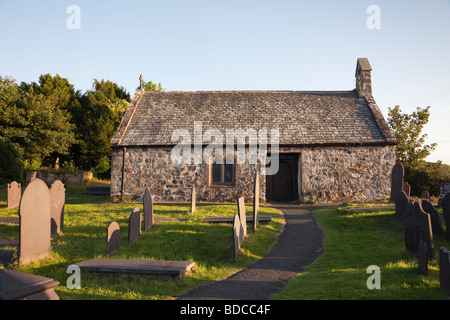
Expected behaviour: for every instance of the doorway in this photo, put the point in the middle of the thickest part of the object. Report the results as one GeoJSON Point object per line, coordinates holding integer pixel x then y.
{"type": "Point", "coordinates": [283, 186]}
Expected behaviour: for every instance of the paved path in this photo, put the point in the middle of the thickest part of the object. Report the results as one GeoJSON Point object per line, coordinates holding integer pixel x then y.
{"type": "Point", "coordinates": [298, 245]}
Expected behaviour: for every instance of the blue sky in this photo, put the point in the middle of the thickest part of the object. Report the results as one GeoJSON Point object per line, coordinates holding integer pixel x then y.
{"type": "Point", "coordinates": [241, 45]}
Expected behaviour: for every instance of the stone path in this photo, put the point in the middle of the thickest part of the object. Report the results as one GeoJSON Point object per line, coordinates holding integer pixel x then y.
{"type": "Point", "coordinates": [298, 245]}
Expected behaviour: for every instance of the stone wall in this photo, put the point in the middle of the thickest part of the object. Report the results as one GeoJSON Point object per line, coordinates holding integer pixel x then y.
{"type": "Point", "coordinates": [153, 168]}
{"type": "Point", "coordinates": [340, 174]}
{"type": "Point", "coordinates": [326, 174]}
{"type": "Point", "coordinates": [68, 178]}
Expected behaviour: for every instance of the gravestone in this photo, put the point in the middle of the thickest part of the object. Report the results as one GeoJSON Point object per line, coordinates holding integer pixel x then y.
{"type": "Point", "coordinates": [148, 210]}
{"type": "Point", "coordinates": [134, 225]}
{"type": "Point", "coordinates": [242, 216]}
{"type": "Point", "coordinates": [13, 195]}
{"type": "Point", "coordinates": [410, 228]}
{"type": "Point", "coordinates": [428, 207]}
{"type": "Point", "coordinates": [236, 235]}
{"type": "Point", "coordinates": [425, 195]}
{"type": "Point", "coordinates": [255, 200]}
{"type": "Point", "coordinates": [407, 188]}
{"type": "Point", "coordinates": [425, 229]}
{"type": "Point", "coordinates": [58, 196]}
{"type": "Point", "coordinates": [423, 258]}
{"type": "Point", "coordinates": [15, 285]}
{"type": "Point", "coordinates": [34, 213]}
{"type": "Point", "coordinates": [396, 180]}
{"type": "Point", "coordinates": [112, 238]}
{"type": "Point", "coordinates": [444, 270]}
{"type": "Point", "coordinates": [193, 198]}
{"type": "Point", "coordinates": [401, 205]}
{"type": "Point", "coordinates": [446, 213]}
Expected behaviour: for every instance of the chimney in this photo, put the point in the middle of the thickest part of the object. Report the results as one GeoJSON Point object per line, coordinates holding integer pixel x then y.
{"type": "Point", "coordinates": [363, 78]}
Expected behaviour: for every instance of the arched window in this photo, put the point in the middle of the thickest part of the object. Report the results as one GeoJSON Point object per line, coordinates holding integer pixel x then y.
{"type": "Point", "coordinates": [223, 174]}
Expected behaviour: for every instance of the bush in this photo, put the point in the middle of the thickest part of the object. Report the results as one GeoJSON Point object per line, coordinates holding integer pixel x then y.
{"type": "Point", "coordinates": [428, 176]}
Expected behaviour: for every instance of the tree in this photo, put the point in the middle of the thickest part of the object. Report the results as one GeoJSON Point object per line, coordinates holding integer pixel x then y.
{"type": "Point", "coordinates": [411, 148]}
{"type": "Point", "coordinates": [150, 86]}
{"type": "Point", "coordinates": [97, 118]}
{"type": "Point", "coordinates": [33, 123]}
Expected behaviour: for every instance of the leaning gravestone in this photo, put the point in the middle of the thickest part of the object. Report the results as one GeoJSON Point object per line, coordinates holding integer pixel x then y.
{"type": "Point", "coordinates": [112, 238]}
{"type": "Point", "coordinates": [446, 213]}
{"type": "Point", "coordinates": [407, 188]}
{"type": "Point", "coordinates": [148, 210]}
{"type": "Point", "coordinates": [401, 205]}
{"type": "Point", "coordinates": [13, 195]}
{"type": "Point", "coordinates": [34, 212]}
{"type": "Point", "coordinates": [134, 225]}
{"type": "Point", "coordinates": [397, 180]}
{"type": "Point", "coordinates": [236, 235]}
{"type": "Point", "coordinates": [256, 200]}
{"type": "Point", "coordinates": [425, 229]}
{"type": "Point", "coordinates": [423, 257]}
{"type": "Point", "coordinates": [193, 198]}
{"type": "Point", "coordinates": [428, 207]}
{"type": "Point", "coordinates": [242, 216]}
{"type": "Point", "coordinates": [58, 196]}
{"type": "Point", "coordinates": [444, 270]}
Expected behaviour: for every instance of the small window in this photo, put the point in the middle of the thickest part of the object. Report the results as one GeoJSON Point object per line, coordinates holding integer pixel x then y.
{"type": "Point", "coordinates": [223, 174]}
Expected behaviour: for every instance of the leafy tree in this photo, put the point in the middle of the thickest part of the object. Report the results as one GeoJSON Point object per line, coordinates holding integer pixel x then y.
{"type": "Point", "coordinates": [33, 123]}
{"type": "Point", "coordinates": [411, 147]}
{"type": "Point", "coordinates": [150, 86]}
{"type": "Point", "coordinates": [97, 118]}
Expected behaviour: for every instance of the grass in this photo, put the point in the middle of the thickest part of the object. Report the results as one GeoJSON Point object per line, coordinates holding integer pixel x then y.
{"type": "Point", "coordinates": [355, 240]}
{"type": "Point", "coordinates": [85, 221]}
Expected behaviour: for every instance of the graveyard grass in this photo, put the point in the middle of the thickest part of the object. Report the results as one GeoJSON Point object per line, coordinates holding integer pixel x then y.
{"type": "Point", "coordinates": [355, 240]}
{"type": "Point", "coordinates": [86, 217]}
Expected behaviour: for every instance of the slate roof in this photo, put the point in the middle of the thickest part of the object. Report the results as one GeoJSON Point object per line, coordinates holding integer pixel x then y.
{"type": "Point", "coordinates": [303, 118]}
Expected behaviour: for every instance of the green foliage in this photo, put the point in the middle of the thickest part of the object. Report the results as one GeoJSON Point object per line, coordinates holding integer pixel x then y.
{"type": "Point", "coordinates": [11, 168]}
{"type": "Point", "coordinates": [411, 147]}
{"type": "Point", "coordinates": [46, 122]}
{"type": "Point", "coordinates": [150, 86]}
{"type": "Point", "coordinates": [412, 151]}
{"type": "Point", "coordinates": [97, 117]}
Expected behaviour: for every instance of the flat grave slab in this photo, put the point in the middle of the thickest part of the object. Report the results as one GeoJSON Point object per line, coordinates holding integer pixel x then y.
{"type": "Point", "coordinates": [16, 285]}
{"type": "Point", "coordinates": [174, 269]}
{"type": "Point", "coordinates": [249, 219]}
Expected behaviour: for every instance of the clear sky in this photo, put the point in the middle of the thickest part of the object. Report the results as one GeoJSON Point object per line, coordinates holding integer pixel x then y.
{"type": "Point", "coordinates": [240, 45]}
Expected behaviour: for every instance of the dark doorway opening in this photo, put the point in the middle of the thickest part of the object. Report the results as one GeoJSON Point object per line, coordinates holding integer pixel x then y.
{"type": "Point", "coordinates": [283, 186]}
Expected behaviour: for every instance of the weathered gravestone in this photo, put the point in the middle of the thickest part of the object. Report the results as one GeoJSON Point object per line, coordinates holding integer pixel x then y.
{"type": "Point", "coordinates": [58, 196]}
{"type": "Point", "coordinates": [428, 207]}
{"type": "Point", "coordinates": [242, 216]}
{"type": "Point", "coordinates": [396, 180]}
{"type": "Point", "coordinates": [425, 195]}
{"type": "Point", "coordinates": [34, 212]}
{"type": "Point", "coordinates": [13, 195]}
{"type": "Point", "coordinates": [417, 226]}
{"type": "Point", "coordinates": [112, 238]}
{"type": "Point", "coordinates": [148, 210]}
{"type": "Point", "coordinates": [15, 285]}
{"type": "Point", "coordinates": [423, 258]}
{"type": "Point", "coordinates": [407, 188]}
{"type": "Point", "coordinates": [256, 200]}
{"type": "Point", "coordinates": [236, 235]}
{"type": "Point", "coordinates": [134, 225]}
{"type": "Point", "coordinates": [444, 270]}
{"type": "Point", "coordinates": [446, 213]}
{"type": "Point", "coordinates": [193, 199]}
{"type": "Point", "coordinates": [401, 205]}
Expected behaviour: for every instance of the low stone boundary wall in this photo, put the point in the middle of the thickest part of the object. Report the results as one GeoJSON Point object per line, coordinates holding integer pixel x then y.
{"type": "Point", "coordinates": [68, 178]}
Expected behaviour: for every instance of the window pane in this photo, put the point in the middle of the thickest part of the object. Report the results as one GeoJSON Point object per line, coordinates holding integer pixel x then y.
{"type": "Point", "coordinates": [228, 173]}
{"type": "Point", "coordinates": [215, 173]}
